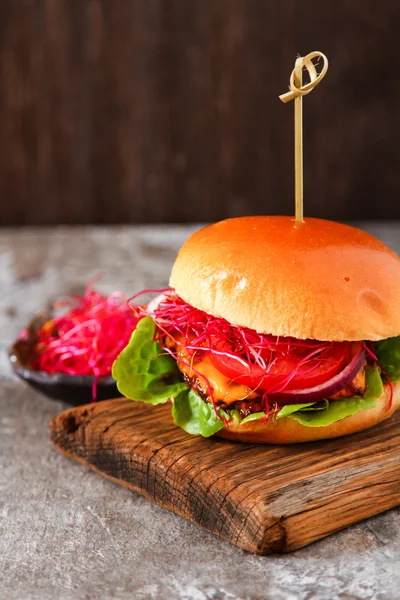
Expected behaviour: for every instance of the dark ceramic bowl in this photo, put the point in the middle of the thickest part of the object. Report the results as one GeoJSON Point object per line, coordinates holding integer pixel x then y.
{"type": "Point", "coordinates": [74, 389]}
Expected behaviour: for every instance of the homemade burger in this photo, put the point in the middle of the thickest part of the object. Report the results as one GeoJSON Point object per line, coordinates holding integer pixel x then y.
{"type": "Point", "coordinates": [273, 331]}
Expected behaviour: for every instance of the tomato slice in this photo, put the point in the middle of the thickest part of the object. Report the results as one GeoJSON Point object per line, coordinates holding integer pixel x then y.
{"type": "Point", "coordinates": [297, 367]}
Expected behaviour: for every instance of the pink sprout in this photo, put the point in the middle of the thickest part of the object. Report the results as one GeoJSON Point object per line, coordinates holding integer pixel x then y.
{"type": "Point", "coordinates": [87, 338]}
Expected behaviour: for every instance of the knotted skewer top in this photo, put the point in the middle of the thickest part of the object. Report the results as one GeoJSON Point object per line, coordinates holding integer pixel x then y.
{"type": "Point", "coordinates": [296, 76]}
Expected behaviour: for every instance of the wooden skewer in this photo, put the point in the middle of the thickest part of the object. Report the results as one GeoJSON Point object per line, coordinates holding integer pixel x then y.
{"type": "Point", "coordinates": [296, 93]}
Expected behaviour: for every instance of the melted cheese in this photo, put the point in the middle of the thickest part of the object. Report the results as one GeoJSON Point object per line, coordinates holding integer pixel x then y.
{"type": "Point", "coordinates": [223, 388]}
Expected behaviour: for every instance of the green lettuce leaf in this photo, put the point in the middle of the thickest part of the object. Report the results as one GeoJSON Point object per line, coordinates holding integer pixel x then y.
{"type": "Point", "coordinates": [143, 371]}
{"type": "Point", "coordinates": [253, 417]}
{"type": "Point", "coordinates": [388, 354]}
{"type": "Point", "coordinates": [195, 416]}
{"type": "Point", "coordinates": [289, 409]}
{"type": "Point", "coordinates": [325, 412]}
{"type": "Point", "coordinates": [233, 413]}
{"type": "Point", "coordinates": [340, 409]}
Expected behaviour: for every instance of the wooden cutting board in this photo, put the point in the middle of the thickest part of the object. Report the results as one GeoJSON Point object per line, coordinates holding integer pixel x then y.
{"type": "Point", "coordinates": [261, 498]}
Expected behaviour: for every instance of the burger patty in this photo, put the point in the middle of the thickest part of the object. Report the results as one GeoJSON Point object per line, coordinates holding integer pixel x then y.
{"type": "Point", "coordinates": [245, 407]}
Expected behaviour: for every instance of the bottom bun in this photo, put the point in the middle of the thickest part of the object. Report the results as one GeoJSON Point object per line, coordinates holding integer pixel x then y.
{"type": "Point", "coordinates": [289, 431]}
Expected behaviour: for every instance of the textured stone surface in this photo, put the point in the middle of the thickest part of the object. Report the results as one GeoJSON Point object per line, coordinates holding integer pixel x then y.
{"type": "Point", "coordinates": [66, 533]}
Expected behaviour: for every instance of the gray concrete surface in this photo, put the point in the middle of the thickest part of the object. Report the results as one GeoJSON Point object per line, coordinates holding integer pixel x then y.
{"type": "Point", "coordinates": [66, 533]}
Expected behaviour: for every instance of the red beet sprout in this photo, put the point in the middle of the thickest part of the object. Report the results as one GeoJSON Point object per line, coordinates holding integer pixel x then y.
{"type": "Point", "coordinates": [87, 338]}
{"type": "Point", "coordinates": [198, 332]}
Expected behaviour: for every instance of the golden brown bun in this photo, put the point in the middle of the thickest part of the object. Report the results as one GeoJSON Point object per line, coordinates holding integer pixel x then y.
{"type": "Point", "coordinates": [289, 431]}
{"type": "Point", "coordinates": [317, 279]}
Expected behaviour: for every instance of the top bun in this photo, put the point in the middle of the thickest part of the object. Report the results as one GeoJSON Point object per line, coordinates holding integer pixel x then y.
{"type": "Point", "coordinates": [316, 279]}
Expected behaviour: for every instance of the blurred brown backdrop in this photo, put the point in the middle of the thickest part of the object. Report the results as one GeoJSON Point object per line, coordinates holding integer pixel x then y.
{"type": "Point", "coordinates": [167, 110]}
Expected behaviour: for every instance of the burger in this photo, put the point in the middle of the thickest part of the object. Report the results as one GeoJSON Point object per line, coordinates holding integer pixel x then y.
{"type": "Point", "coordinates": [272, 331]}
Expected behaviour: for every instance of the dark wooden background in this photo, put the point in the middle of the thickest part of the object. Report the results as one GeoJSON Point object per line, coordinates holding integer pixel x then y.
{"type": "Point", "coordinates": [167, 110]}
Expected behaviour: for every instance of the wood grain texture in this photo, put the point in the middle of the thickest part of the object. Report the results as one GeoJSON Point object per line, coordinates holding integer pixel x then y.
{"type": "Point", "coordinates": [262, 498]}
{"type": "Point", "coordinates": [137, 111]}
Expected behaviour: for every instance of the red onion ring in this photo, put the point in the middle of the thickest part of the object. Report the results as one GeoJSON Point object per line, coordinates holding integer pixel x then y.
{"type": "Point", "coordinates": [328, 388]}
